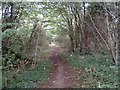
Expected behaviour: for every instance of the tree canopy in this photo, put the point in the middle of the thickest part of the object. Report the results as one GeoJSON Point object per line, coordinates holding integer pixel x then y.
{"type": "Point", "coordinates": [79, 28]}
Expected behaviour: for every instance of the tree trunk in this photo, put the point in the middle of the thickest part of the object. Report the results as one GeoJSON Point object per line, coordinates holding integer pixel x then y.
{"type": "Point", "coordinates": [118, 35]}
{"type": "Point", "coordinates": [71, 35]}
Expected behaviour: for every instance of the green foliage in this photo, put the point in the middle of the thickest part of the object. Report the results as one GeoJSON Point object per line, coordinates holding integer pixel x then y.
{"type": "Point", "coordinates": [96, 8]}
{"type": "Point", "coordinates": [8, 24]}
{"type": "Point", "coordinates": [105, 74]}
{"type": "Point", "coordinates": [9, 33]}
{"type": "Point", "coordinates": [28, 78]}
{"type": "Point", "coordinates": [55, 17]}
{"type": "Point", "coordinates": [11, 47]}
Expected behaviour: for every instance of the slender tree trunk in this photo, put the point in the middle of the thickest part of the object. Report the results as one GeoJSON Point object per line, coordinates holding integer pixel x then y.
{"type": "Point", "coordinates": [111, 42]}
{"type": "Point", "coordinates": [81, 31]}
{"type": "Point", "coordinates": [118, 46]}
{"type": "Point", "coordinates": [118, 34]}
{"type": "Point", "coordinates": [76, 33]}
{"type": "Point", "coordinates": [11, 15]}
{"type": "Point", "coordinates": [71, 35]}
{"type": "Point", "coordinates": [36, 49]}
{"type": "Point", "coordinates": [75, 13]}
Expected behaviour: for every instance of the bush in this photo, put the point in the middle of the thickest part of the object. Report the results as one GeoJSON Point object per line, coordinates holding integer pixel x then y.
{"type": "Point", "coordinates": [11, 48]}
{"type": "Point", "coordinates": [28, 78]}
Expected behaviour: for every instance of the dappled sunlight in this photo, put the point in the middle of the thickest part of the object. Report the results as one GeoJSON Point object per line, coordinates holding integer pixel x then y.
{"type": "Point", "coordinates": [53, 44]}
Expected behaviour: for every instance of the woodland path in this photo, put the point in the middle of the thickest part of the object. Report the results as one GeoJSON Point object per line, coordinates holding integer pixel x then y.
{"type": "Point", "coordinates": [61, 76]}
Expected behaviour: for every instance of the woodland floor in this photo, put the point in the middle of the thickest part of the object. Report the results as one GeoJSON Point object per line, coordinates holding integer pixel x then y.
{"type": "Point", "coordinates": [61, 76]}
{"type": "Point", "coordinates": [66, 71]}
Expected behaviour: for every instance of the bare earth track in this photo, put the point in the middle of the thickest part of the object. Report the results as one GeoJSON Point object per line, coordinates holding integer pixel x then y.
{"type": "Point", "coordinates": [61, 76]}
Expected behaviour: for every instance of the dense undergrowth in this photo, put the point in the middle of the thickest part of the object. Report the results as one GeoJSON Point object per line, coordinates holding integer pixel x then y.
{"type": "Point", "coordinates": [99, 72]}
{"type": "Point", "coordinates": [28, 78]}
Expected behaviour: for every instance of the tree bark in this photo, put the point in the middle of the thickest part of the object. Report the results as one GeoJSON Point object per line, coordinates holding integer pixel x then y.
{"type": "Point", "coordinates": [71, 35]}
{"type": "Point", "coordinates": [118, 34]}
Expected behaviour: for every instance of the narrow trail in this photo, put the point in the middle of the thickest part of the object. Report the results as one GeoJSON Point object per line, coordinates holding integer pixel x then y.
{"type": "Point", "coordinates": [61, 76]}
